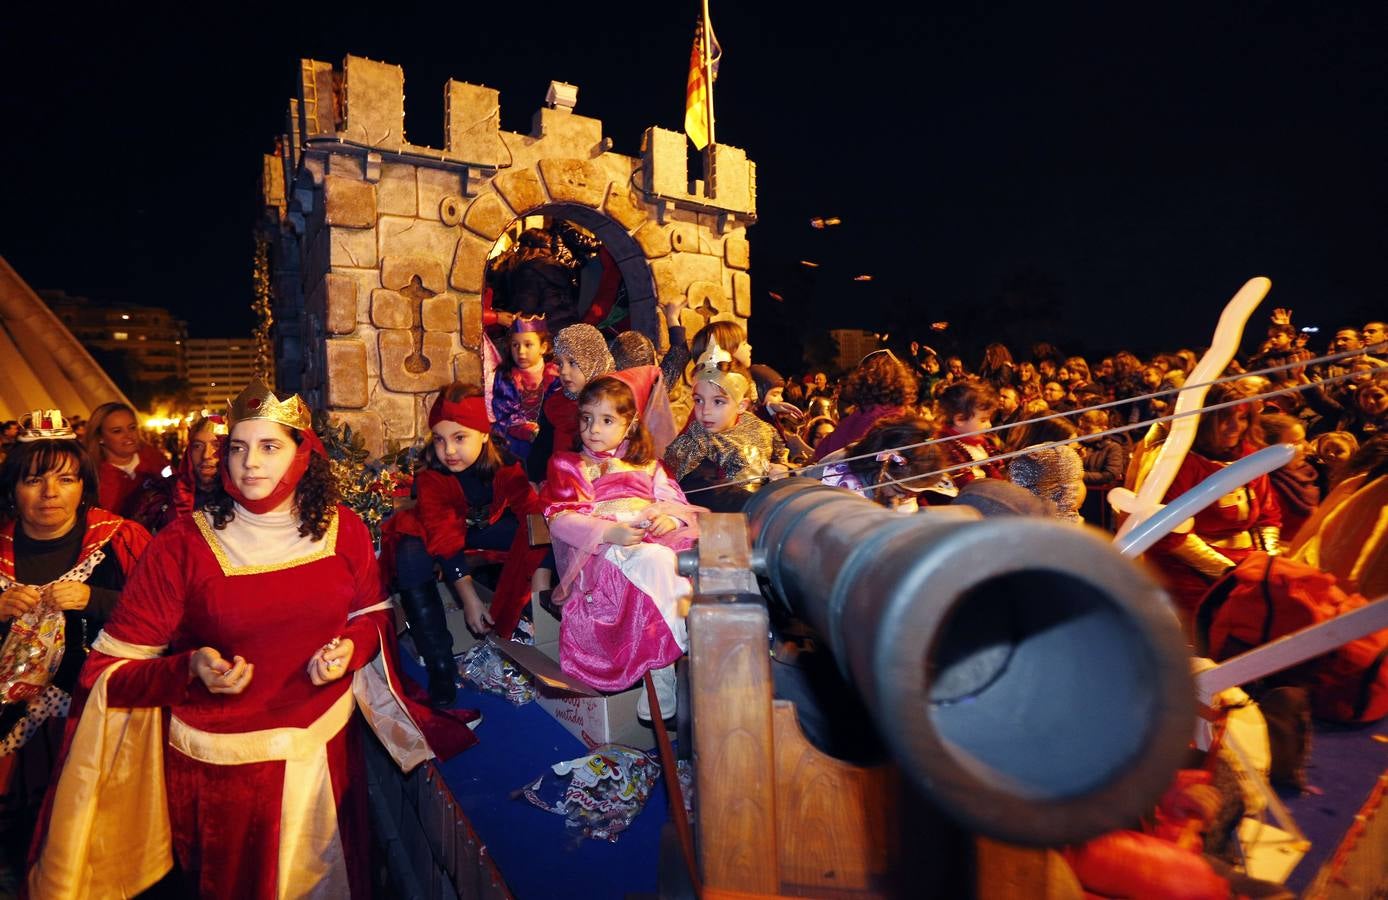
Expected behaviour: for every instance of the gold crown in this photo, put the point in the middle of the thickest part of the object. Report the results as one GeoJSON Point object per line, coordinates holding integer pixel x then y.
{"type": "Point", "coordinates": [708, 368]}
{"type": "Point", "coordinates": [257, 401]}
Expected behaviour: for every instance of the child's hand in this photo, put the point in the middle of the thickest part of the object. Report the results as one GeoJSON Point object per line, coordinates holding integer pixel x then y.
{"type": "Point", "coordinates": [622, 535]}
{"type": "Point", "coordinates": [777, 470]}
{"type": "Point", "coordinates": [479, 619]}
{"type": "Point", "coordinates": [662, 525]}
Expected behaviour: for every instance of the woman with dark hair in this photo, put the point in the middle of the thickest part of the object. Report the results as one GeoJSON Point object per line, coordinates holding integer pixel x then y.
{"type": "Point", "coordinates": [879, 387]}
{"type": "Point", "coordinates": [997, 368]}
{"type": "Point", "coordinates": [889, 466]}
{"type": "Point", "coordinates": [238, 629]}
{"type": "Point", "coordinates": [125, 464]}
{"type": "Point", "coordinates": [1228, 530]}
{"type": "Point", "coordinates": [58, 550]}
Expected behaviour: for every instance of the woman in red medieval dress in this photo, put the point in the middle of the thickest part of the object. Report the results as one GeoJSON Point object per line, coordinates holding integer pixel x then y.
{"type": "Point", "coordinates": [1235, 525]}
{"type": "Point", "coordinates": [241, 621]}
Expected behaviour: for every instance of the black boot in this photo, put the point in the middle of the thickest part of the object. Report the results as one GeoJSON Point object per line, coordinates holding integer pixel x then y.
{"type": "Point", "coordinates": [429, 627]}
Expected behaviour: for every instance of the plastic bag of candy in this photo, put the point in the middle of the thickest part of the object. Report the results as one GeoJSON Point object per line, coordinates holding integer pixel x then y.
{"type": "Point", "coordinates": [31, 653]}
{"type": "Point", "coordinates": [600, 794]}
{"type": "Point", "coordinates": [487, 668]}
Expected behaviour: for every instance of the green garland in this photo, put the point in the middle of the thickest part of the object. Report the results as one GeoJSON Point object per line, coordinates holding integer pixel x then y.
{"type": "Point", "coordinates": [264, 311]}
{"type": "Point", "coordinates": [370, 487]}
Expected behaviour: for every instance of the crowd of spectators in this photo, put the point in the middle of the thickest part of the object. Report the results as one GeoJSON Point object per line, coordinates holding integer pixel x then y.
{"type": "Point", "coordinates": [1327, 410]}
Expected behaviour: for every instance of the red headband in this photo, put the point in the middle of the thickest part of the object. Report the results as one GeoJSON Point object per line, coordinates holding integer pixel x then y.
{"type": "Point", "coordinates": [470, 412]}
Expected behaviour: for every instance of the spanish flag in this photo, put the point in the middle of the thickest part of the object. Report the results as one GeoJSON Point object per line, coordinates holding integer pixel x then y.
{"type": "Point", "coordinates": [698, 91]}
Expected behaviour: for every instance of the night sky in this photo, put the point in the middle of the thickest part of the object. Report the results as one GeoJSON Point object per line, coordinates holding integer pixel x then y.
{"type": "Point", "coordinates": [1100, 177]}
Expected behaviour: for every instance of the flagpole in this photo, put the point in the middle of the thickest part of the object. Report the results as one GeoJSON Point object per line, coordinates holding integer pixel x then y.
{"type": "Point", "coordinates": [706, 59]}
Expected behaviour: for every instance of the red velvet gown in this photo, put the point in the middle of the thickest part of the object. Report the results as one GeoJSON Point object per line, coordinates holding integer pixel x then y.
{"type": "Point", "coordinates": [116, 489]}
{"type": "Point", "coordinates": [1226, 525]}
{"type": "Point", "coordinates": [229, 824]}
{"type": "Point", "coordinates": [614, 631]}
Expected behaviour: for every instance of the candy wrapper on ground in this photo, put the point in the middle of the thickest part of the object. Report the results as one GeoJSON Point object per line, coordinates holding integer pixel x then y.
{"type": "Point", "coordinates": [599, 795]}
{"type": "Point", "coordinates": [31, 653]}
{"type": "Point", "coordinates": [484, 666]}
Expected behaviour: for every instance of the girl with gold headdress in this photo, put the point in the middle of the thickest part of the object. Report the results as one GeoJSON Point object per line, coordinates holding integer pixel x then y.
{"type": "Point", "coordinates": [723, 441]}
{"type": "Point", "coordinates": [240, 625]}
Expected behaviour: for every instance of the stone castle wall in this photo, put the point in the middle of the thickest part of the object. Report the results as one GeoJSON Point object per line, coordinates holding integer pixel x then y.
{"type": "Point", "coordinates": [382, 245]}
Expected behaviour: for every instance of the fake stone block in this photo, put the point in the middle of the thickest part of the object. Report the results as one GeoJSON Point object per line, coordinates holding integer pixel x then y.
{"type": "Point", "coordinates": [373, 103]}
{"type": "Point", "coordinates": [340, 304]}
{"type": "Point", "coordinates": [472, 122]}
{"type": "Point", "coordinates": [390, 309]}
{"type": "Point", "coordinates": [346, 371]}
{"type": "Point", "coordinates": [487, 216]}
{"type": "Point", "coordinates": [574, 181]}
{"type": "Point", "coordinates": [666, 162]}
{"type": "Point", "coordinates": [469, 264]}
{"type": "Point", "coordinates": [625, 207]}
{"type": "Point", "coordinates": [704, 294]}
{"type": "Point", "coordinates": [400, 236]}
{"type": "Point", "coordinates": [396, 412]}
{"type": "Point", "coordinates": [398, 271]}
{"type": "Point", "coordinates": [467, 367]}
{"type": "Point", "coordinates": [737, 253]}
{"type": "Point", "coordinates": [365, 423]}
{"type": "Point", "coordinates": [674, 273]}
{"type": "Point", "coordinates": [349, 203]}
{"type": "Point", "coordinates": [316, 98]}
{"type": "Point", "coordinates": [411, 371]}
{"type": "Point", "coordinates": [684, 237]}
{"type": "Point", "coordinates": [736, 179]}
{"type": "Point", "coordinates": [351, 247]}
{"type": "Point", "coordinates": [742, 294]}
{"type": "Point", "coordinates": [470, 314]}
{"type": "Point", "coordinates": [521, 189]}
{"type": "Point", "coordinates": [436, 184]}
{"type": "Point", "coordinates": [439, 313]}
{"type": "Point", "coordinates": [653, 239]}
{"type": "Point", "coordinates": [347, 165]}
{"type": "Point", "coordinates": [397, 192]}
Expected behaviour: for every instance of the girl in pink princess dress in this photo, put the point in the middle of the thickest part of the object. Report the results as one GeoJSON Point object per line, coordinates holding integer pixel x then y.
{"type": "Point", "coordinates": [617, 519]}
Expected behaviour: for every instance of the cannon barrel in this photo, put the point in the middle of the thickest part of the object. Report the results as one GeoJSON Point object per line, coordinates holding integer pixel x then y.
{"type": "Point", "coordinates": [1029, 679]}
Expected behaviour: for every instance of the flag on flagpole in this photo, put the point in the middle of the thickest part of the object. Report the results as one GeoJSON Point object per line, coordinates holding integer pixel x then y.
{"type": "Point", "coordinates": [703, 71]}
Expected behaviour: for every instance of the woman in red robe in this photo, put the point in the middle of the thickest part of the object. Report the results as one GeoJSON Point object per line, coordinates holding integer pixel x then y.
{"type": "Point", "coordinates": [1235, 525]}
{"type": "Point", "coordinates": [124, 463]}
{"type": "Point", "coordinates": [242, 622]}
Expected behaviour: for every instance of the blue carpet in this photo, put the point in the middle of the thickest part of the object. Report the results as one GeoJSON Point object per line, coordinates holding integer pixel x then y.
{"type": "Point", "coordinates": [536, 854]}
{"type": "Point", "coordinates": [1345, 763]}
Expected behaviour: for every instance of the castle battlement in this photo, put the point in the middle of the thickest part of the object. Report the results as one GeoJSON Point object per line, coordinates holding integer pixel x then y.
{"type": "Point", "coordinates": [381, 253]}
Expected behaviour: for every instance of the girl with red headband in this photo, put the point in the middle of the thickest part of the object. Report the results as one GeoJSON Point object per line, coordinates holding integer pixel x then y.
{"type": "Point", "coordinates": [472, 495]}
{"type": "Point", "coordinates": [617, 519]}
{"type": "Point", "coordinates": [236, 635]}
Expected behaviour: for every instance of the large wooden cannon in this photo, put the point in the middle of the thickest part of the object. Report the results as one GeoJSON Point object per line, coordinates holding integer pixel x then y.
{"type": "Point", "coordinates": [1029, 682]}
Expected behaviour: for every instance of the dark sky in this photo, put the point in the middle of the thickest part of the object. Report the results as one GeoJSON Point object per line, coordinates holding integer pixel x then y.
{"type": "Point", "coordinates": [1122, 170]}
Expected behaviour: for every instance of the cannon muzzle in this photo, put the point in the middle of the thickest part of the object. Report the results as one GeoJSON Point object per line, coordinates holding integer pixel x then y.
{"type": "Point", "coordinates": [1027, 677]}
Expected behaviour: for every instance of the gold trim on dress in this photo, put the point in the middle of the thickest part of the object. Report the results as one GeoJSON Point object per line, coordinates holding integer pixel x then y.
{"type": "Point", "coordinates": [265, 745]}
{"type": "Point", "coordinates": [593, 469]}
{"type": "Point", "coordinates": [329, 548]}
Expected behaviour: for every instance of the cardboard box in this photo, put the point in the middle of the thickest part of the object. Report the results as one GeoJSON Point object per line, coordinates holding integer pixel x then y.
{"type": "Point", "coordinates": [589, 716]}
{"type": "Point", "coordinates": [606, 719]}
{"type": "Point", "coordinates": [586, 713]}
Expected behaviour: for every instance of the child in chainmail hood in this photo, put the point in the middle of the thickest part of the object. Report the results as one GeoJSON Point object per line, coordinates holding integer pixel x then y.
{"type": "Point", "coordinates": [723, 441]}
{"type": "Point", "coordinates": [1055, 474]}
{"type": "Point", "coordinates": [581, 354]}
